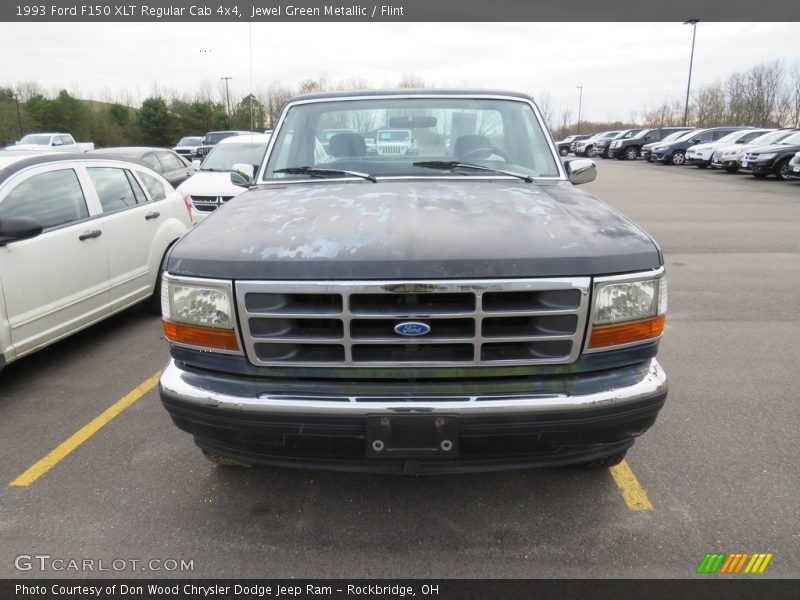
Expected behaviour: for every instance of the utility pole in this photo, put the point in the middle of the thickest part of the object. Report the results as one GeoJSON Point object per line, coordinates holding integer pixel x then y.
{"type": "Point", "coordinates": [580, 102]}
{"type": "Point", "coordinates": [227, 93]}
{"type": "Point", "coordinates": [693, 23]}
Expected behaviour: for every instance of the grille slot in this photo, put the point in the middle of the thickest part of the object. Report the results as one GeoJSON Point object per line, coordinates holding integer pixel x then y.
{"type": "Point", "coordinates": [411, 304]}
{"type": "Point", "coordinates": [299, 353]}
{"type": "Point", "coordinates": [471, 322]}
{"type": "Point", "coordinates": [531, 300]}
{"type": "Point", "coordinates": [526, 351]}
{"type": "Point", "coordinates": [544, 325]}
{"type": "Point", "coordinates": [413, 353]}
{"type": "Point", "coordinates": [296, 328]}
{"type": "Point", "coordinates": [284, 304]}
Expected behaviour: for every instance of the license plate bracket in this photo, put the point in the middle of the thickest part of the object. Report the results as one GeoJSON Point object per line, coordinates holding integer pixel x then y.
{"type": "Point", "coordinates": [411, 436]}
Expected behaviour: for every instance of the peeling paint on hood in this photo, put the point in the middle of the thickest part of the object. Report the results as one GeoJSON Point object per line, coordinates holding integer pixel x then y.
{"type": "Point", "coordinates": [413, 229]}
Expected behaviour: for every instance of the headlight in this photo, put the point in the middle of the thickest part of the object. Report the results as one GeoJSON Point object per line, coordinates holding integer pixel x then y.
{"type": "Point", "coordinates": [627, 311]}
{"type": "Point", "coordinates": [766, 156]}
{"type": "Point", "coordinates": [199, 313]}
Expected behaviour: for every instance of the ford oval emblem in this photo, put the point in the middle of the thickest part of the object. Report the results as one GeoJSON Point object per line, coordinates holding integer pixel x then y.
{"type": "Point", "coordinates": [412, 328]}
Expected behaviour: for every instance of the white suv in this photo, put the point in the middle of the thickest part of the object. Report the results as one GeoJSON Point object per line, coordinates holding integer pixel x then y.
{"type": "Point", "coordinates": [211, 186]}
{"type": "Point", "coordinates": [395, 142]}
{"type": "Point", "coordinates": [80, 239]}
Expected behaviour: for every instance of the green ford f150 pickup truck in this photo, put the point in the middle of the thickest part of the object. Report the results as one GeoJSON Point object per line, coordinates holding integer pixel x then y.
{"type": "Point", "coordinates": [462, 308]}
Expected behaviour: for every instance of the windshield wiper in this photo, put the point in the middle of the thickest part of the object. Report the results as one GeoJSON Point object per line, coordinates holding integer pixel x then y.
{"type": "Point", "coordinates": [319, 172]}
{"type": "Point", "coordinates": [453, 165]}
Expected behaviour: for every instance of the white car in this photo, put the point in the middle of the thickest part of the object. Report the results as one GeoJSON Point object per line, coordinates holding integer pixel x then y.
{"type": "Point", "coordinates": [80, 240]}
{"type": "Point", "coordinates": [53, 142]}
{"type": "Point", "coordinates": [395, 142]}
{"type": "Point", "coordinates": [211, 186]}
{"type": "Point", "coordinates": [187, 145]}
{"type": "Point", "coordinates": [702, 154]}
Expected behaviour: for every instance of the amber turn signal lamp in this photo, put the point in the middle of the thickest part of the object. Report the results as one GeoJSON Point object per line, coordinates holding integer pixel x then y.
{"type": "Point", "coordinates": [205, 337]}
{"type": "Point", "coordinates": [626, 333]}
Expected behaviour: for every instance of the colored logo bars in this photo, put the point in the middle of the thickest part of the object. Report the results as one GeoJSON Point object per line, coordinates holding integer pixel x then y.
{"type": "Point", "coordinates": [738, 562]}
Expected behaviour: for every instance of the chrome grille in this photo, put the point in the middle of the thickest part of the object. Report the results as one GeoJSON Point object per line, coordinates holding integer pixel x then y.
{"type": "Point", "coordinates": [751, 156]}
{"type": "Point", "coordinates": [208, 203]}
{"type": "Point", "coordinates": [472, 322]}
{"type": "Point", "coordinates": [392, 149]}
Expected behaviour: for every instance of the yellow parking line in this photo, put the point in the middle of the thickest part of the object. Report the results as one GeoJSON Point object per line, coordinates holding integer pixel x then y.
{"type": "Point", "coordinates": [49, 461]}
{"type": "Point", "coordinates": [632, 491]}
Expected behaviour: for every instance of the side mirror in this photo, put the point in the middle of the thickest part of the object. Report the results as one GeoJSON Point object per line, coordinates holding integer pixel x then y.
{"type": "Point", "coordinates": [242, 175]}
{"type": "Point", "coordinates": [14, 229]}
{"type": "Point", "coordinates": [581, 170]}
{"type": "Point", "coordinates": [196, 163]}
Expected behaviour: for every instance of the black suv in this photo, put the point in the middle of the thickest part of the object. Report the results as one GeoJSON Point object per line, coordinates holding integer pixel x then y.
{"type": "Point", "coordinates": [629, 148]}
{"type": "Point", "coordinates": [602, 146]}
{"type": "Point", "coordinates": [211, 139]}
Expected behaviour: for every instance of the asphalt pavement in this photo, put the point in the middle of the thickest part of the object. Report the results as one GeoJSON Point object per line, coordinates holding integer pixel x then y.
{"type": "Point", "coordinates": [719, 468]}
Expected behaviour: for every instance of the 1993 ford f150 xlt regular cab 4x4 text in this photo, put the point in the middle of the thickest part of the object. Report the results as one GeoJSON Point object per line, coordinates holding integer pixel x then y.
{"type": "Point", "coordinates": [463, 308]}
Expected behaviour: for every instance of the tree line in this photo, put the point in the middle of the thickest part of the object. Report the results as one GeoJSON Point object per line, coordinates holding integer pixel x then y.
{"type": "Point", "coordinates": [767, 94]}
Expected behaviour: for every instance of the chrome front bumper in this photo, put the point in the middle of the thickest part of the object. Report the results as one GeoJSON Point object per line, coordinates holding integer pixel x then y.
{"type": "Point", "coordinates": [231, 395]}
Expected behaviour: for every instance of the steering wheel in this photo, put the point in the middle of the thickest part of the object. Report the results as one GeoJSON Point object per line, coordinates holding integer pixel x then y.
{"type": "Point", "coordinates": [487, 151]}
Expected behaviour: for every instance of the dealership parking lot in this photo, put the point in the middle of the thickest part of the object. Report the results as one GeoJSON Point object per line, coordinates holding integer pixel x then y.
{"type": "Point", "coordinates": [719, 469]}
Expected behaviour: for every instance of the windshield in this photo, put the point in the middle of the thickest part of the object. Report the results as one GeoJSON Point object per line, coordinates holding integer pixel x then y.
{"type": "Point", "coordinates": [213, 138]}
{"type": "Point", "coordinates": [223, 157]}
{"type": "Point", "coordinates": [792, 140]}
{"type": "Point", "coordinates": [190, 141]}
{"type": "Point", "coordinates": [770, 138]}
{"type": "Point", "coordinates": [36, 139]}
{"type": "Point", "coordinates": [685, 135]}
{"type": "Point", "coordinates": [674, 136]}
{"type": "Point", "coordinates": [394, 136]}
{"type": "Point", "coordinates": [730, 138]}
{"type": "Point", "coordinates": [610, 135]}
{"type": "Point", "coordinates": [494, 133]}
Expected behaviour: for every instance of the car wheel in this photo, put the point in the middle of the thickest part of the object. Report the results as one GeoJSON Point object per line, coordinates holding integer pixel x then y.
{"type": "Point", "coordinates": [782, 170]}
{"type": "Point", "coordinates": [631, 153]}
{"type": "Point", "coordinates": [678, 157]}
{"type": "Point", "coordinates": [606, 461]}
{"type": "Point", "coordinates": [224, 461]}
{"type": "Point", "coordinates": [731, 169]}
{"type": "Point", "coordinates": [760, 175]}
{"type": "Point", "coordinates": [590, 152]}
{"type": "Point", "coordinates": [563, 151]}
{"type": "Point", "coordinates": [702, 165]}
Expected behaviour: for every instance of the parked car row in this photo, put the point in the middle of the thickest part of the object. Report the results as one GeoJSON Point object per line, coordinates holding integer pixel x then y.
{"type": "Point", "coordinates": [755, 150]}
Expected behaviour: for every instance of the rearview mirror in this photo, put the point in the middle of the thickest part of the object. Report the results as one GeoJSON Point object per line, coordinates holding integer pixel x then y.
{"type": "Point", "coordinates": [581, 170]}
{"type": "Point", "coordinates": [412, 122]}
{"type": "Point", "coordinates": [14, 229]}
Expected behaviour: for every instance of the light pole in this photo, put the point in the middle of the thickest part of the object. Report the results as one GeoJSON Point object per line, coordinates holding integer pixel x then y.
{"type": "Point", "coordinates": [227, 94]}
{"type": "Point", "coordinates": [693, 23]}
{"type": "Point", "coordinates": [580, 102]}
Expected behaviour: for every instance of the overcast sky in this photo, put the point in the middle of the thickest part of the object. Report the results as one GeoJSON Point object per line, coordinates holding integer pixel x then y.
{"type": "Point", "coordinates": [621, 66]}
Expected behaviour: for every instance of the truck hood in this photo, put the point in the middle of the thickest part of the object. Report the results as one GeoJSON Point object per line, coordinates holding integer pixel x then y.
{"type": "Point", "coordinates": [419, 229]}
